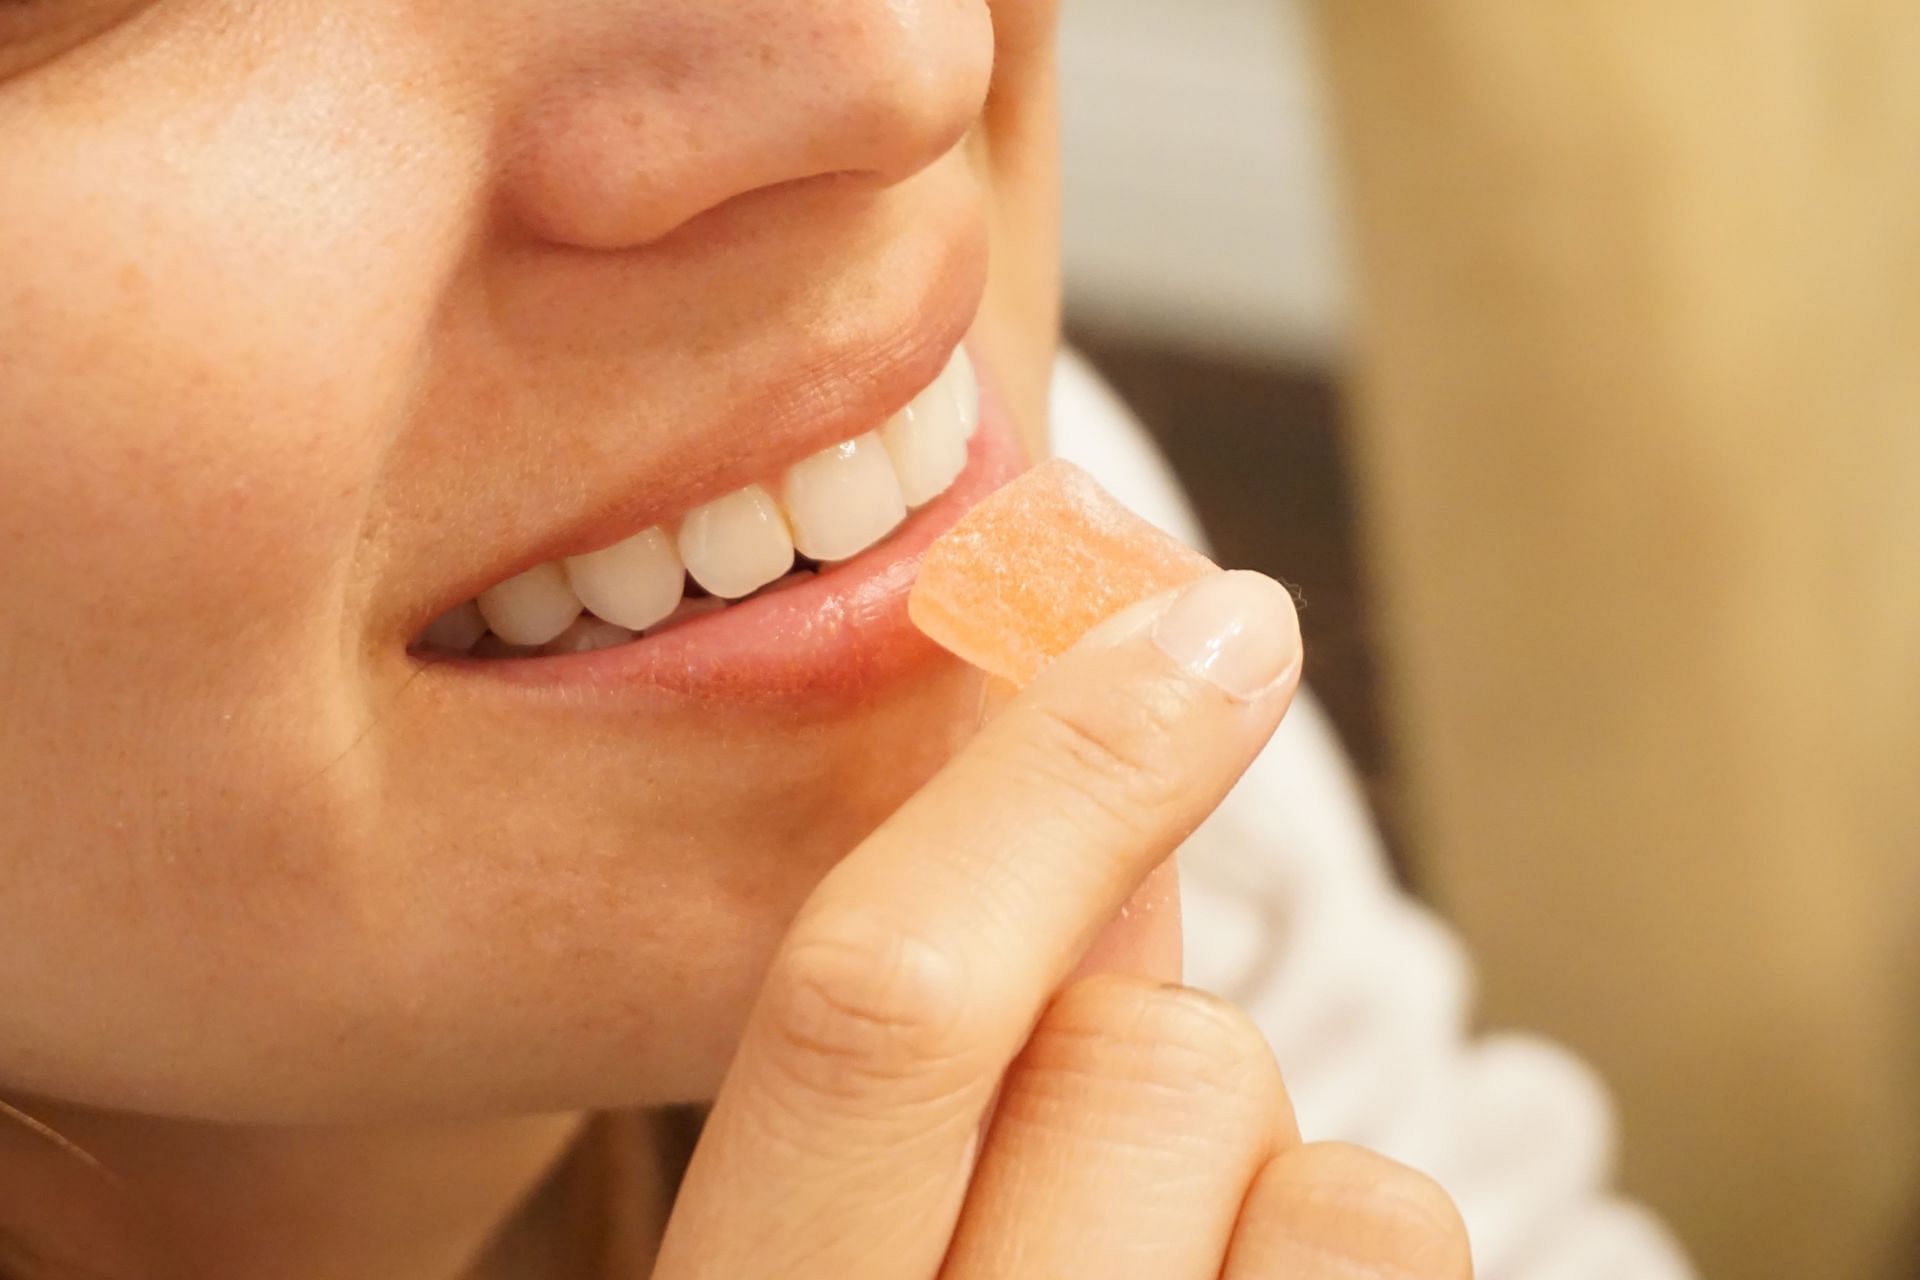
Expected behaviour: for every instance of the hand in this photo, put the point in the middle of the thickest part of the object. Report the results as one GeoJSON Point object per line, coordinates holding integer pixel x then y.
{"type": "Point", "coordinates": [1141, 1129]}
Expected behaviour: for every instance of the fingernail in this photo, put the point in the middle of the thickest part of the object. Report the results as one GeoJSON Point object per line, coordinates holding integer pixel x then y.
{"type": "Point", "coordinates": [1236, 630]}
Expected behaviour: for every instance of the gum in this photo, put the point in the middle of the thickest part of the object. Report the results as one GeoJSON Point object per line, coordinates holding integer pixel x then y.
{"type": "Point", "coordinates": [1037, 565]}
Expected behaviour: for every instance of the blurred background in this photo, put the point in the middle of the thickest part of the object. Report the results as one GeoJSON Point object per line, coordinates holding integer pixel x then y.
{"type": "Point", "coordinates": [1610, 352]}
{"type": "Point", "coordinates": [1205, 280]}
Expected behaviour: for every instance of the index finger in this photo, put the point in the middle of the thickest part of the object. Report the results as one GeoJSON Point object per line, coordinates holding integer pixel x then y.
{"type": "Point", "coordinates": [916, 970]}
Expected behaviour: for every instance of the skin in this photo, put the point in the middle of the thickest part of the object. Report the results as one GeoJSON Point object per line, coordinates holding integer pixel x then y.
{"type": "Point", "coordinates": [309, 310]}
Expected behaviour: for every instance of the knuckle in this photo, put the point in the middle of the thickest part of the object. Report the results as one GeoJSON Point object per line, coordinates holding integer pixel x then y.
{"type": "Point", "coordinates": [1425, 1218]}
{"type": "Point", "coordinates": [1127, 753]}
{"type": "Point", "coordinates": [1173, 1041]}
{"type": "Point", "coordinates": [859, 1005]}
{"type": "Point", "coordinates": [1386, 1219]}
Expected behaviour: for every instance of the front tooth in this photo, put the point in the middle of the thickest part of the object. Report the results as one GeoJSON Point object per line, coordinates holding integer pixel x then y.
{"type": "Point", "coordinates": [457, 629]}
{"type": "Point", "coordinates": [963, 384]}
{"type": "Point", "coordinates": [532, 607]}
{"type": "Point", "coordinates": [844, 499]}
{"type": "Point", "coordinates": [737, 544]}
{"type": "Point", "coordinates": [927, 440]}
{"type": "Point", "coordinates": [634, 583]}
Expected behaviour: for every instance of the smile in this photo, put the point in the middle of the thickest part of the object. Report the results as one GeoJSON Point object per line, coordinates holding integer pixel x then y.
{"type": "Point", "coordinates": [793, 582]}
{"type": "Point", "coordinates": [760, 538]}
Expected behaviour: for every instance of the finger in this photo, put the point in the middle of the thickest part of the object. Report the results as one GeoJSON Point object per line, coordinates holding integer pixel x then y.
{"type": "Point", "coordinates": [916, 970]}
{"type": "Point", "coordinates": [1144, 938]}
{"type": "Point", "coordinates": [1142, 941]}
{"type": "Point", "coordinates": [1127, 1133]}
{"type": "Point", "coordinates": [1327, 1211]}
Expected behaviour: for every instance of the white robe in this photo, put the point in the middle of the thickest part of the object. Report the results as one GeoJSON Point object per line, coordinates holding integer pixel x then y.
{"type": "Point", "coordinates": [1292, 913]}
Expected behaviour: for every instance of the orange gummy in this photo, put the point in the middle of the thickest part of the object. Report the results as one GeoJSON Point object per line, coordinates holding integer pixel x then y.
{"type": "Point", "coordinates": [1036, 566]}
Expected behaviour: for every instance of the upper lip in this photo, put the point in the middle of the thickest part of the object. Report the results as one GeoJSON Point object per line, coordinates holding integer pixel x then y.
{"type": "Point", "coordinates": [845, 390]}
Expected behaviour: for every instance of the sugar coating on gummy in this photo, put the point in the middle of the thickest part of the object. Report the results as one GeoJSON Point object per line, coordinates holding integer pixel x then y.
{"type": "Point", "coordinates": [1036, 566]}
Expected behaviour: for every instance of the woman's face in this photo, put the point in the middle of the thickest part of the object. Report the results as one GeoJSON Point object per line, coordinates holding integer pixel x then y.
{"type": "Point", "coordinates": [319, 317]}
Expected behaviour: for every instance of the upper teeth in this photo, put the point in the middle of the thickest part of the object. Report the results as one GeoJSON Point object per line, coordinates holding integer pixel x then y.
{"type": "Point", "coordinates": [830, 506]}
{"type": "Point", "coordinates": [841, 501]}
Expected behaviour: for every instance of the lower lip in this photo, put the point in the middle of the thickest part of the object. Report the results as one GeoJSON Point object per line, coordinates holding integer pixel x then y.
{"type": "Point", "coordinates": [844, 634]}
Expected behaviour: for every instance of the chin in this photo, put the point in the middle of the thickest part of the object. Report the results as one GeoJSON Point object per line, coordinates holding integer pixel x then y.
{"type": "Point", "coordinates": [597, 928]}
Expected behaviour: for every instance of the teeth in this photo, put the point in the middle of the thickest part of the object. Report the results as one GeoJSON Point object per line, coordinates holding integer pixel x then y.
{"type": "Point", "coordinates": [587, 634]}
{"type": "Point", "coordinates": [735, 545]}
{"type": "Point", "coordinates": [964, 385]}
{"type": "Point", "coordinates": [927, 440]}
{"type": "Point", "coordinates": [457, 629]}
{"type": "Point", "coordinates": [634, 583]}
{"type": "Point", "coordinates": [844, 499]}
{"type": "Point", "coordinates": [532, 607]}
{"type": "Point", "coordinates": [832, 506]}
{"type": "Point", "coordinates": [690, 608]}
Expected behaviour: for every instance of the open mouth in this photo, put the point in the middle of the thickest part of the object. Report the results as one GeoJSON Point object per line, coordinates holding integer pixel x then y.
{"type": "Point", "coordinates": [761, 539]}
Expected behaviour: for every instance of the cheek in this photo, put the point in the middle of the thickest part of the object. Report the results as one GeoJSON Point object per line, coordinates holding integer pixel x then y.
{"type": "Point", "coordinates": [209, 312]}
{"type": "Point", "coordinates": [210, 304]}
{"type": "Point", "coordinates": [197, 390]}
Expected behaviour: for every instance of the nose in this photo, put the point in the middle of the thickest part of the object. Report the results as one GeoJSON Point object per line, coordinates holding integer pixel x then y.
{"type": "Point", "coordinates": [639, 115]}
